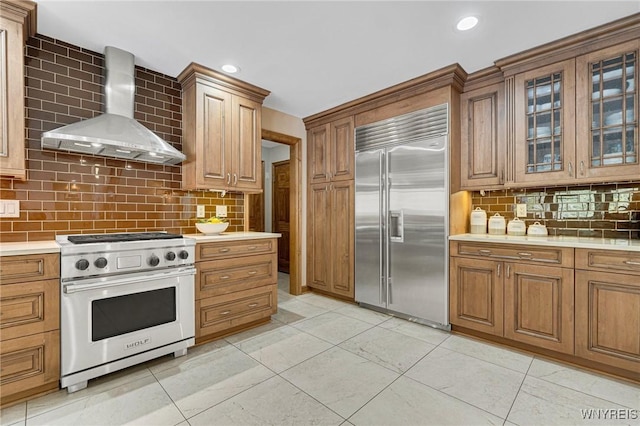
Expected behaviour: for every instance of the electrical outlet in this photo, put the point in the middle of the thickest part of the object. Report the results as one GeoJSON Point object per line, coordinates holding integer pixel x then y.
{"type": "Point", "coordinates": [221, 211]}
{"type": "Point", "coordinates": [9, 208]}
{"type": "Point", "coordinates": [200, 211]}
{"type": "Point", "coordinates": [521, 210]}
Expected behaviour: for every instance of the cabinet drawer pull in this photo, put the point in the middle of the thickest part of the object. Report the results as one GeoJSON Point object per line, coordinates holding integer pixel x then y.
{"type": "Point", "coordinates": [499, 268]}
{"type": "Point", "coordinates": [508, 271]}
{"type": "Point", "coordinates": [524, 253]}
{"type": "Point", "coordinates": [570, 169]}
{"type": "Point", "coordinates": [631, 262]}
{"type": "Point", "coordinates": [252, 248]}
{"type": "Point", "coordinates": [235, 179]}
{"type": "Point", "coordinates": [252, 272]}
{"type": "Point", "coordinates": [228, 178]}
{"type": "Point", "coordinates": [224, 250]}
{"type": "Point", "coordinates": [484, 252]}
{"type": "Point", "coordinates": [224, 277]}
{"type": "Point", "coordinates": [225, 312]}
{"type": "Point", "coordinates": [253, 305]}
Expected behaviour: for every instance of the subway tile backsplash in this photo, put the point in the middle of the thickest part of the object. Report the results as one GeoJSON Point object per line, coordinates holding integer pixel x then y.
{"type": "Point", "coordinates": [71, 193]}
{"type": "Point", "coordinates": [609, 210]}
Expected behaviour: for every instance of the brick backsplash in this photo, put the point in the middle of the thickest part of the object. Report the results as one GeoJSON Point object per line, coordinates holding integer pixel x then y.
{"type": "Point", "coordinates": [607, 210]}
{"type": "Point", "coordinates": [73, 193]}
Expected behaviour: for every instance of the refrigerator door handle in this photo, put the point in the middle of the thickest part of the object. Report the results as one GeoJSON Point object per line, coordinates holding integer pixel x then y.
{"type": "Point", "coordinates": [396, 225]}
{"type": "Point", "coordinates": [381, 226]}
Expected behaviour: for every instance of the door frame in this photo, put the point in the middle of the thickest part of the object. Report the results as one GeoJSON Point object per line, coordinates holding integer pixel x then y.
{"type": "Point", "coordinates": [295, 206]}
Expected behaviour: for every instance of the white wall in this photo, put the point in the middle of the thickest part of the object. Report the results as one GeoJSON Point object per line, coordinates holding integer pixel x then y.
{"type": "Point", "coordinates": [270, 156]}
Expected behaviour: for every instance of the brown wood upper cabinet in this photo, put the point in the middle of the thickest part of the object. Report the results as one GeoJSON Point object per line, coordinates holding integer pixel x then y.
{"type": "Point", "coordinates": [482, 139]}
{"type": "Point", "coordinates": [331, 151]}
{"type": "Point", "coordinates": [576, 121]}
{"type": "Point", "coordinates": [222, 131]}
{"type": "Point", "coordinates": [17, 23]}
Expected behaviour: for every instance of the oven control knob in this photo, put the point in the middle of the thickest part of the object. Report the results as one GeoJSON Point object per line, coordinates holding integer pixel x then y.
{"type": "Point", "coordinates": [153, 260]}
{"type": "Point", "coordinates": [82, 264]}
{"type": "Point", "coordinates": [100, 262]}
{"type": "Point", "coordinates": [170, 256]}
{"type": "Point", "coordinates": [183, 254]}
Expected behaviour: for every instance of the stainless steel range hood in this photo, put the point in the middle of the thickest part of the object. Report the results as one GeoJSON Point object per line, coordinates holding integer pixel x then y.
{"type": "Point", "coordinates": [115, 133]}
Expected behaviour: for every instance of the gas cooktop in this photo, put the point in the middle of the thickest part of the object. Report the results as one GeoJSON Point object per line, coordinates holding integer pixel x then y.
{"type": "Point", "coordinates": [116, 238]}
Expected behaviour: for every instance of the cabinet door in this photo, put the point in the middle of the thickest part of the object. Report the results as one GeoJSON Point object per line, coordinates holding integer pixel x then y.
{"type": "Point", "coordinates": [538, 306]}
{"type": "Point", "coordinates": [12, 136]}
{"type": "Point", "coordinates": [213, 138]}
{"type": "Point", "coordinates": [607, 112]}
{"type": "Point", "coordinates": [319, 227]}
{"type": "Point", "coordinates": [545, 125]}
{"type": "Point", "coordinates": [483, 153]}
{"type": "Point", "coordinates": [318, 154]}
{"type": "Point", "coordinates": [341, 227]}
{"type": "Point", "coordinates": [608, 318]}
{"type": "Point", "coordinates": [246, 145]}
{"type": "Point", "coordinates": [476, 299]}
{"type": "Point", "coordinates": [342, 151]}
{"type": "Point", "coordinates": [29, 362]}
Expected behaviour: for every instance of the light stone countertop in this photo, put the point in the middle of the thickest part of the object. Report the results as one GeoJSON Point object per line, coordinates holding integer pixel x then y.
{"type": "Point", "coordinates": [28, 247]}
{"type": "Point", "coordinates": [556, 241]}
{"type": "Point", "coordinates": [231, 236]}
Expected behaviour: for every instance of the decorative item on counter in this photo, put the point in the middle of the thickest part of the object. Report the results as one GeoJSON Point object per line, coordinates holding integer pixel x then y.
{"type": "Point", "coordinates": [516, 227]}
{"type": "Point", "coordinates": [537, 229]}
{"type": "Point", "coordinates": [212, 226]}
{"type": "Point", "coordinates": [478, 221]}
{"type": "Point", "coordinates": [497, 225]}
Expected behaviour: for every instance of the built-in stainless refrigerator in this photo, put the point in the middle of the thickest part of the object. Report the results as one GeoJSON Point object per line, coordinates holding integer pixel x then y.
{"type": "Point", "coordinates": [401, 216]}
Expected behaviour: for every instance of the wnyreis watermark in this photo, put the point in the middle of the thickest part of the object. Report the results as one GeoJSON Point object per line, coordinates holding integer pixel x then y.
{"type": "Point", "coordinates": [610, 414]}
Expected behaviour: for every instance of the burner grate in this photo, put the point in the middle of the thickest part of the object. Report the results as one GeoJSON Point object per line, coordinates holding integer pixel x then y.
{"type": "Point", "coordinates": [116, 238]}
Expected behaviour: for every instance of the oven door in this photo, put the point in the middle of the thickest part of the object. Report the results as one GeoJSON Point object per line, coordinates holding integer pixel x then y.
{"type": "Point", "coordinates": [109, 318]}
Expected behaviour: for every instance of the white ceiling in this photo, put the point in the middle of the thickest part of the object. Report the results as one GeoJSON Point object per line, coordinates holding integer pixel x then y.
{"type": "Point", "coordinates": [314, 55]}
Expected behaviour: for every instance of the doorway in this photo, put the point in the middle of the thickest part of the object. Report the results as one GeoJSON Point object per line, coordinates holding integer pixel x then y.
{"type": "Point", "coordinates": [295, 206]}
{"type": "Point", "coordinates": [280, 211]}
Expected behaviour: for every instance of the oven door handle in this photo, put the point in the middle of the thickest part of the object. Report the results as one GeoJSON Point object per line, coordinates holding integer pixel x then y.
{"type": "Point", "coordinates": [74, 288]}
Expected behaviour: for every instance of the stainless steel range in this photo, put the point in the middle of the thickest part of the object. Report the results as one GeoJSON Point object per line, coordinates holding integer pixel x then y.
{"type": "Point", "coordinates": [125, 299]}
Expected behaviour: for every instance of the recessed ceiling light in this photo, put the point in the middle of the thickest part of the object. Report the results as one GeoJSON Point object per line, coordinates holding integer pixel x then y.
{"type": "Point", "coordinates": [467, 23]}
{"type": "Point", "coordinates": [231, 69]}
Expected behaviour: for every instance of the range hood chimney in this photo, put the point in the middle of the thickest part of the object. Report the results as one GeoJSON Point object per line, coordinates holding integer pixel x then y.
{"type": "Point", "coordinates": [115, 133]}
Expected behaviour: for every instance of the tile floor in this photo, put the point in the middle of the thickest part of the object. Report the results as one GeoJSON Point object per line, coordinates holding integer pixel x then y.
{"type": "Point", "coordinates": [325, 362]}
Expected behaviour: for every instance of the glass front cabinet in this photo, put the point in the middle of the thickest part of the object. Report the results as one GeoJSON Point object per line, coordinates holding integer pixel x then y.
{"type": "Point", "coordinates": [607, 113]}
{"type": "Point", "coordinates": [577, 120]}
{"type": "Point", "coordinates": [544, 125]}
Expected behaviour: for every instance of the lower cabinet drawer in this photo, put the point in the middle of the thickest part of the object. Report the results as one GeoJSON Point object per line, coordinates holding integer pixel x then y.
{"type": "Point", "coordinates": [218, 277]}
{"type": "Point", "coordinates": [232, 249]}
{"type": "Point", "coordinates": [219, 313]}
{"type": "Point", "coordinates": [608, 260]}
{"type": "Point", "coordinates": [552, 256]}
{"type": "Point", "coordinates": [29, 308]}
{"type": "Point", "coordinates": [29, 362]}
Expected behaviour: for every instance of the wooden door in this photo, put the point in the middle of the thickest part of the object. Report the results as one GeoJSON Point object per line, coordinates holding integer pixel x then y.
{"type": "Point", "coordinates": [318, 154]}
{"type": "Point", "coordinates": [608, 318]}
{"type": "Point", "coordinates": [545, 124]}
{"type": "Point", "coordinates": [342, 232]}
{"type": "Point", "coordinates": [12, 136]}
{"type": "Point", "coordinates": [318, 232]}
{"type": "Point", "coordinates": [538, 306]}
{"type": "Point", "coordinates": [280, 211]}
{"type": "Point", "coordinates": [483, 137]}
{"type": "Point", "coordinates": [607, 112]}
{"type": "Point", "coordinates": [476, 294]}
{"type": "Point", "coordinates": [342, 152]}
{"type": "Point", "coordinates": [213, 141]}
{"type": "Point", "coordinates": [247, 148]}
{"type": "Point", "coordinates": [256, 208]}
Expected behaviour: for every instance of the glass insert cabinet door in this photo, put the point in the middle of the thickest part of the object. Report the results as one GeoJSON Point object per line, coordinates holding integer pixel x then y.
{"type": "Point", "coordinates": [608, 112]}
{"type": "Point", "coordinates": [545, 100]}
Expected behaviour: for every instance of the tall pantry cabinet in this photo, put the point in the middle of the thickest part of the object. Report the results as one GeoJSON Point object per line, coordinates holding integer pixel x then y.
{"type": "Point", "coordinates": [330, 207]}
